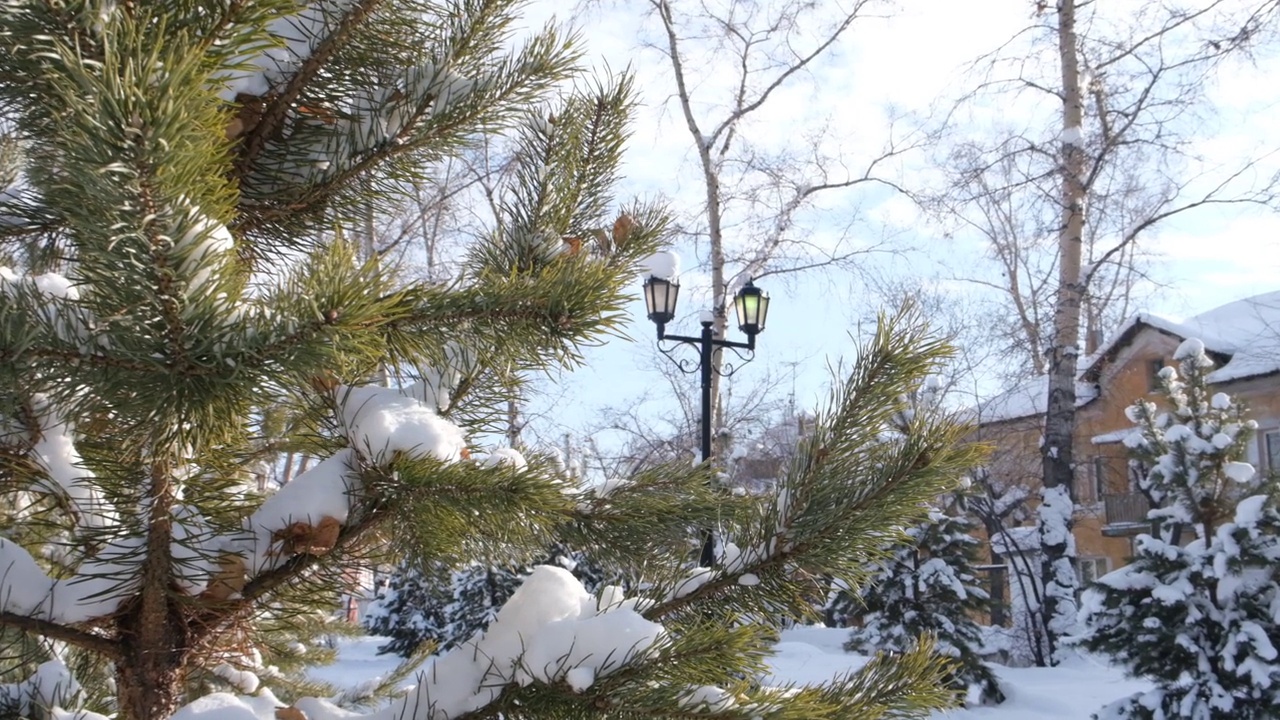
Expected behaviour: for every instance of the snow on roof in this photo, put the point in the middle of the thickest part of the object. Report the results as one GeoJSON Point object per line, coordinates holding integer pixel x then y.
{"type": "Point", "coordinates": [1248, 331]}
{"type": "Point", "coordinates": [1028, 398]}
{"type": "Point", "coordinates": [1115, 436]}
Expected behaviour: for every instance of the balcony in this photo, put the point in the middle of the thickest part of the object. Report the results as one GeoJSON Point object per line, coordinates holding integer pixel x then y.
{"type": "Point", "coordinates": [1126, 514]}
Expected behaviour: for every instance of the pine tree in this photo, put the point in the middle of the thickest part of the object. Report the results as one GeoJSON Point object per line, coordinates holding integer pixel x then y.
{"type": "Point", "coordinates": [408, 608]}
{"type": "Point", "coordinates": [190, 167]}
{"type": "Point", "coordinates": [927, 586]}
{"type": "Point", "coordinates": [1195, 610]}
{"type": "Point", "coordinates": [842, 607]}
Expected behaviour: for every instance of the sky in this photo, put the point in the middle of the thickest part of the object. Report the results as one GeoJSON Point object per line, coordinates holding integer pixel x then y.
{"type": "Point", "coordinates": [911, 59]}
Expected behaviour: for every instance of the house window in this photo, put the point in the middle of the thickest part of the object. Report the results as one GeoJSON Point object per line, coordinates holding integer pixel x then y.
{"type": "Point", "coordinates": [1088, 570]}
{"type": "Point", "coordinates": [995, 580]}
{"type": "Point", "coordinates": [1099, 477]}
{"type": "Point", "coordinates": [1154, 367]}
{"type": "Point", "coordinates": [1269, 445]}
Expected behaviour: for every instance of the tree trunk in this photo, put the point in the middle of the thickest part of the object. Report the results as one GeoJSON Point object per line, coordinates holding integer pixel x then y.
{"type": "Point", "coordinates": [150, 672]}
{"type": "Point", "coordinates": [714, 212]}
{"type": "Point", "coordinates": [148, 686]}
{"type": "Point", "coordinates": [1057, 571]}
{"type": "Point", "coordinates": [153, 632]}
{"type": "Point", "coordinates": [719, 292]}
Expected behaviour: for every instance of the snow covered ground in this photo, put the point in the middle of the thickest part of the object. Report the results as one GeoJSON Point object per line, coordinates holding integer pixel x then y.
{"type": "Point", "coordinates": [813, 655]}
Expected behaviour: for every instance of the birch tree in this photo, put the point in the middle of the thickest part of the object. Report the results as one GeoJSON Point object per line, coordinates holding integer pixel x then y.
{"type": "Point", "coordinates": [731, 63]}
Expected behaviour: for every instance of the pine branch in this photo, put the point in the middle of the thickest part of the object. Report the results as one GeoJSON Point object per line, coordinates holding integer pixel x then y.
{"type": "Point", "coordinates": [73, 636]}
{"type": "Point", "coordinates": [272, 121]}
{"type": "Point", "coordinates": [223, 613]}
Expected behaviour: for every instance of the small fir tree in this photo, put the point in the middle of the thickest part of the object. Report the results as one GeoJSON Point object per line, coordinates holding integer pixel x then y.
{"type": "Point", "coordinates": [446, 607]}
{"type": "Point", "coordinates": [842, 608]}
{"type": "Point", "coordinates": [927, 586]}
{"type": "Point", "coordinates": [1195, 611]}
{"type": "Point", "coordinates": [408, 608]}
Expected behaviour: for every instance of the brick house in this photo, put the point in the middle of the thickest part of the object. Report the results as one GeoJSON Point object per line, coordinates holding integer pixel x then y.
{"type": "Point", "coordinates": [1242, 337]}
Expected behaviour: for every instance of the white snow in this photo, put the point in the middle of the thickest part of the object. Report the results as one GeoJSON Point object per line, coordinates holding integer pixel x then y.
{"type": "Point", "coordinates": [1073, 136]}
{"type": "Point", "coordinates": [551, 630]}
{"type": "Point", "coordinates": [57, 454]}
{"type": "Point", "coordinates": [1249, 510]}
{"type": "Point", "coordinates": [550, 626]}
{"type": "Point", "coordinates": [504, 456]}
{"type": "Point", "coordinates": [1189, 348]}
{"type": "Point", "coordinates": [1071, 691]}
{"type": "Point", "coordinates": [218, 706]}
{"type": "Point", "coordinates": [194, 550]}
{"type": "Point", "coordinates": [1016, 541]}
{"type": "Point", "coordinates": [435, 385]}
{"type": "Point", "coordinates": [580, 678]}
{"type": "Point", "coordinates": [101, 582]}
{"type": "Point", "coordinates": [383, 421]}
{"type": "Point", "coordinates": [60, 714]}
{"type": "Point", "coordinates": [324, 490]}
{"type": "Point", "coordinates": [604, 488]}
{"type": "Point", "coordinates": [380, 423]}
{"type": "Point", "coordinates": [1115, 436]}
{"type": "Point", "coordinates": [664, 265]}
{"type": "Point", "coordinates": [201, 249]}
{"type": "Point", "coordinates": [297, 35]}
{"type": "Point", "coordinates": [803, 656]}
{"type": "Point", "coordinates": [707, 698]}
{"type": "Point", "coordinates": [1240, 472]}
{"type": "Point", "coordinates": [245, 681]}
{"type": "Point", "coordinates": [51, 685]}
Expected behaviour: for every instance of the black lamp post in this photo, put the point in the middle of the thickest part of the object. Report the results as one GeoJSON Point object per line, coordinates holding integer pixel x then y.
{"type": "Point", "coordinates": [752, 308]}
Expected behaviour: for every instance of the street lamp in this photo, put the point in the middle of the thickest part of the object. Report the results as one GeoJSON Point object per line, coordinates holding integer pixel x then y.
{"type": "Point", "coordinates": [752, 308]}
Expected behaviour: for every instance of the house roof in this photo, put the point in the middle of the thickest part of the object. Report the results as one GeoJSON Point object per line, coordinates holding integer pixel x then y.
{"type": "Point", "coordinates": [1244, 335]}
{"type": "Point", "coordinates": [1027, 398]}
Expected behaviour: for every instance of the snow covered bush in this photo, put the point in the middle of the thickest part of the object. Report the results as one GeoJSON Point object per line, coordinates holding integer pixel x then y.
{"type": "Point", "coordinates": [926, 586]}
{"type": "Point", "coordinates": [447, 606]}
{"type": "Point", "coordinates": [1198, 609]}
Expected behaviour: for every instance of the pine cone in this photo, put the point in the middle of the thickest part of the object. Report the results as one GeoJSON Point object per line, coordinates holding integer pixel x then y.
{"type": "Point", "coordinates": [622, 228]}
{"type": "Point", "coordinates": [304, 538]}
{"type": "Point", "coordinates": [229, 580]}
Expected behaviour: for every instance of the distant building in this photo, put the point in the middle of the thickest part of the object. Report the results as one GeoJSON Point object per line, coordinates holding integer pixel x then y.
{"type": "Point", "coordinates": [1242, 337]}
{"type": "Point", "coordinates": [759, 464]}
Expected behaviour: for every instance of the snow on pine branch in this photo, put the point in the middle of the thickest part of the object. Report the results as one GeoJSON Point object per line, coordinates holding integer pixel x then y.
{"type": "Point", "coordinates": [99, 586]}
{"type": "Point", "coordinates": [298, 35]}
{"type": "Point", "coordinates": [53, 297]}
{"type": "Point", "coordinates": [380, 423]}
{"type": "Point", "coordinates": [383, 421]}
{"type": "Point", "coordinates": [51, 685]}
{"type": "Point", "coordinates": [55, 452]}
{"type": "Point", "coordinates": [53, 448]}
{"type": "Point", "coordinates": [551, 631]}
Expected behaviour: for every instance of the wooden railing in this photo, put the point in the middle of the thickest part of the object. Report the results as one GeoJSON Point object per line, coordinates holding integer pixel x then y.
{"type": "Point", "coordinates": [1126, 509]}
